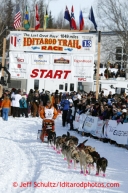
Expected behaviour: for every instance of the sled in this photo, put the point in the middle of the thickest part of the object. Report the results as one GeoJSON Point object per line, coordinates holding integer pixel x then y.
{"type": "Point", "coordinates": [39, 134]}
{"type": "Point", "coordinates": [46, 126]}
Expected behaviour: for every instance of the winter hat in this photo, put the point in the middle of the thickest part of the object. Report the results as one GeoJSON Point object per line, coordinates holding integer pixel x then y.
{"type": "Point", "coordinates": [124, 111]}
{"type": "Point", "coordinates": [70, 100]}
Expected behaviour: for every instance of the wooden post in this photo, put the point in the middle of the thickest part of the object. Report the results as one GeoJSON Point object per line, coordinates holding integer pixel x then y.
{"type": "Point", "coordinates": [98, 65]}
{"type": "Point", "coordinates": [1, 90]}
{"type": "Point", "coordinates": [3, 57]}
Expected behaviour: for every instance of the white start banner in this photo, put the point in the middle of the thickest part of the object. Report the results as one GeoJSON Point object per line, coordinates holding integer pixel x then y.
{"type": "Point", "coordinates": [55, 42]}
{"type": "Point", "coordinates": [50, 66]}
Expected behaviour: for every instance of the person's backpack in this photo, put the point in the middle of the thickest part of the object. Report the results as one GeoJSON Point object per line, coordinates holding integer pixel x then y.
{"type": "Point", "coordinates": [23, 102]}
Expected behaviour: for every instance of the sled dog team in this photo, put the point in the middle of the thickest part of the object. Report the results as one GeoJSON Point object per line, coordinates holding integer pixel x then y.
{"type": "Point", "coordinates": [79, 153]}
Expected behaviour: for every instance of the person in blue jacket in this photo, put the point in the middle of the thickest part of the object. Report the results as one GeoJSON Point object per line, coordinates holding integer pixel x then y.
{"type": "Point", "coordinates": [65, 107]}
{"type": "Point", "coordinates": [23, 106]}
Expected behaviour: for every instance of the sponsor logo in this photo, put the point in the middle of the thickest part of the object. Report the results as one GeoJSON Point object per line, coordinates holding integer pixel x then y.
{"type": "Point", "coordinates": [82, 61]}
{"type": "Point", "coordinates": [40, 60]}
{"type": "Point", "coordinates": [40, 56]}
{"type": "Point", "coordinates": [15, 40]}
{"type": "Point", "coordinates": [82, 79]}
{"type": "Point", "coordinates": [19, 59]}
{"type": "Point", "coordinates": [61, 60]}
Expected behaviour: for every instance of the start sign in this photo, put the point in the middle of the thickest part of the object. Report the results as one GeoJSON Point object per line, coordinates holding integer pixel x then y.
{"type": "Point", "coordinates": [57, 74]}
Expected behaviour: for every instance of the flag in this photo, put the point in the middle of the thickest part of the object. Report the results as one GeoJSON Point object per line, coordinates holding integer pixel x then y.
{"type": "Point", "coordinates": [92, 18]}
{"type": "Point", "coordinates": [37, 21]}
{"type": "Point", "coordinates": [67, 14]}
{"type": "Point", "coordinates": [17, 18]}
{"type": "Point", "coordinates": [26, 20]}
{"type": "Point", "coordinates": [81, 21]}
{"type": "Point", "coordinates": [73, 22]}
{"type": "Point", "coordinates": [46, 19]}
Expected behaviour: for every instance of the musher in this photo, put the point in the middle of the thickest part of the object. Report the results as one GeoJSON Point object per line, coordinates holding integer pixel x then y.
{"type": "Point", "coordinates": [48, 114]}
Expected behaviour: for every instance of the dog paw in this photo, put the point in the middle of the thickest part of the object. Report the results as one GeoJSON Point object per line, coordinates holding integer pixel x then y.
{"type": "Point", "coordinates": [58, 152]}
{"type": "Point", "coordinates": [86, 171]}
{"type": "Point", "coordinates": [65, 158]}
{"type": "Point", "coordinates": [103, 175]}
{"type": "Point", "coordinates": [81, 172]}
{"type": "Point", "coordinates": [97, 174]}
{"type": "Point", "coordinates": [70, 161]}
{"type": "Point", "coordinates": [54, 148]}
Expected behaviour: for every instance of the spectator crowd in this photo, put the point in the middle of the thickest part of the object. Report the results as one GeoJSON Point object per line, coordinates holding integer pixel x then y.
{"type": "Point", "coordinates": [17, 103]}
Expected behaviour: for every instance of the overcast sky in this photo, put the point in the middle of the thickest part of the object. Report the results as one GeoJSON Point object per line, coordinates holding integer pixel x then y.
{"type": "Point", "coordinates": [57, 6]}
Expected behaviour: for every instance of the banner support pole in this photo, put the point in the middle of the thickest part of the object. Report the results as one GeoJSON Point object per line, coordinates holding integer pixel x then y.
{"type": "Point", "coordinates": [98, 65]}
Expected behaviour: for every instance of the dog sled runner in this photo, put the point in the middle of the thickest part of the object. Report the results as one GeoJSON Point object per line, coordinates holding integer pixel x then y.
{"type": "Point", "coordinates": [47, 125]}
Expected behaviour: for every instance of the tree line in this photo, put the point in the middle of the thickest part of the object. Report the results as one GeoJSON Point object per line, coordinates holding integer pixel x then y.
{"type": "Point", "coordinates": [7, 13]}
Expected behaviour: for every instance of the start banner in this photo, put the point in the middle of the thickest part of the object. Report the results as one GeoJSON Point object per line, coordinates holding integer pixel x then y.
{"type": "Point", "coordinates": [49, 66]}
{"type": "Point", "coordinates": [55, 42]}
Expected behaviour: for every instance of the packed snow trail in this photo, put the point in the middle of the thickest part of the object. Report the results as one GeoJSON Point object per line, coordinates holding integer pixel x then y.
{"type": "Point", "coordinates": [28, 163]}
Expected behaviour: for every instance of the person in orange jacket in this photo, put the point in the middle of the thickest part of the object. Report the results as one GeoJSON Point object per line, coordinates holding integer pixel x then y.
{"type": "Point", "coordinates": [5, 105]}
{"type": "Point", "coordinates": [48, 114]}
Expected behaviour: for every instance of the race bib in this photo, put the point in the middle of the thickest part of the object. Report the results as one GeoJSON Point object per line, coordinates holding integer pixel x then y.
{"type": "Point", "coordinates": [49, 113]}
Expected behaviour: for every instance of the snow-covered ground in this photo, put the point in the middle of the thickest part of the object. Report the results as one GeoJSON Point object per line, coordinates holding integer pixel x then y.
{"type": "Point", "coordinates": [26, 163]}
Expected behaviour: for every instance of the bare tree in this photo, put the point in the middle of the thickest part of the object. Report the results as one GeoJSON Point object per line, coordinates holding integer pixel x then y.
{"type": "Point", "coordinates": [9, 13]}
{"type": "Point", "coordinates": [41, 12]}
{"type": "Point", "coordinates": [113, 16]}
{"type": "Point", "coordinates": [60, 22]}
{"type": "Point", "coordinates": [5, 14]}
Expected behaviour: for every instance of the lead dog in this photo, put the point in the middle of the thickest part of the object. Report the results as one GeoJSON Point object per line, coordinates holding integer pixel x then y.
{"type": "Point", "coordinates": [65, 139]}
